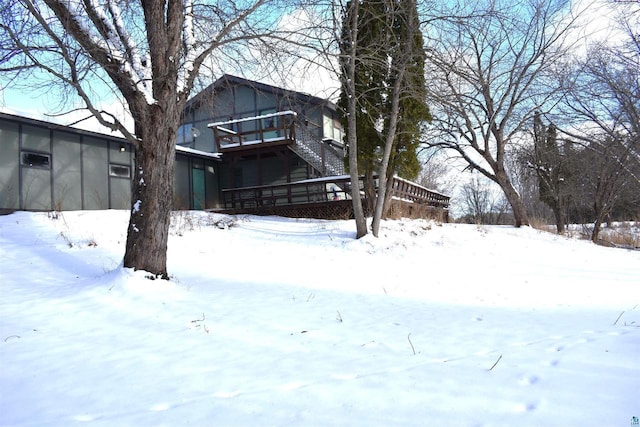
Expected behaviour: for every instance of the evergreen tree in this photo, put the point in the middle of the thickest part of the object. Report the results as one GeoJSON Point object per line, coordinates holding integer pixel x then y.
{"type": "Point", "coordinates": [385, 26]}
{"type": "Point", "coordinates": [552, 170]}
{"type": "Point", "coordinates": [413, 108]}
{"type": "Point", "coordinates": [370, 76]}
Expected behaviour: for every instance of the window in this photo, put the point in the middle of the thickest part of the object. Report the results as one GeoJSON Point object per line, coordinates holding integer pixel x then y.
{"type": "Point", "coordinates": [36, 160]}
{"type": "Point", "coordinates": [119, 171]}
{"type": "Point", "coordinates": [269, 122]}
{"type": "Point", "coordinates": [187, 135]}
{"type": "Point", "coordinates": [184, 135]}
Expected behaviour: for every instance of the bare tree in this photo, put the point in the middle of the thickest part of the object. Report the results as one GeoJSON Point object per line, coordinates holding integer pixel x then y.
{"type": "Point", "coordinates": [348, 59]}
{"type": "Point", "coordinates": [390, 138]}
{"type": "Point", "coordinates": [436, 172]}
{"type": "Point", "coordinates": [526, 181]}
{"type": "Point", "coordinates": [603, 181]}
{"type": "Point", "coordinates": [382, 92]}
{"type": "Point", "coordinates": [602, 114]}
{"type": "Point", "coordinates": [488, 69]}
{"type": "Point", "coordinates": [552, 165]}
{"type": "Point", "coordinates": [407, 109]}
{"type": "Point", "coordinates": [480, 203]}
{"type": "Point", "coordinates": [476, 200]}
{"type": "Point", "coordinates": [602, 97]}
{"type": "Point", "coordinates": [149, 52]}
{"type": "Point", "coordinates": [628, 21]}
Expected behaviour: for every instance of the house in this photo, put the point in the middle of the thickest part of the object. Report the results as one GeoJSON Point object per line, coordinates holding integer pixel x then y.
{"type": "Point", "coordinates": [249, 107]}
{"type": "Point", "coordinates": [46, 166]}
{"type": "Point", "coordinates": [243, 146]}
{"type": "Point", "coordinates": [266, 136]}
{"type": "Point", "coordinates": [282, 152]}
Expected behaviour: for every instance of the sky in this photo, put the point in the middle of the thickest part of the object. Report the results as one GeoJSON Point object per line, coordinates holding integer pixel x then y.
{"type": "Point", "coordinates": [316, 81]}
{"type": "Point", "coordinates": [293, 322]}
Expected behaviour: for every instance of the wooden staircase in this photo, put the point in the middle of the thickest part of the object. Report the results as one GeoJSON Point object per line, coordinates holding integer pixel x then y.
{"type": "Point", "coordinates": [321, 155]}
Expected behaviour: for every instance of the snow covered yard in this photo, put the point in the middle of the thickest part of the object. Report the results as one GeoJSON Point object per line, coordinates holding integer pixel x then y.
{"type": "Point", "coordinates": [280, 322]}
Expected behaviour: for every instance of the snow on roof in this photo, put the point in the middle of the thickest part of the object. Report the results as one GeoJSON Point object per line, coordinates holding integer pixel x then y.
{"type": "Point", "coordinates": [249, 119]}
{"type": "Point", "coordinates": [84, 125]}
{"type": "Point", "coordinates": [180, 148]}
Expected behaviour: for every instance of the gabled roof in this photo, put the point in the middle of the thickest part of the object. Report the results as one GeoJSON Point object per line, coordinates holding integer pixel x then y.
{"type": "Point", "coordinates": [228, 81]}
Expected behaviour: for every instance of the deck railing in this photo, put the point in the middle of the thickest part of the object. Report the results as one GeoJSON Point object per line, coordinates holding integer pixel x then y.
{"type": "Point", "coordinates": [321, 190]}
{"type": "Point", "coordinates": [301, 192]}
{"type": "Point", "coordinates": [274, 129]}
{"type": "Point", "coordinates": [412, 192]}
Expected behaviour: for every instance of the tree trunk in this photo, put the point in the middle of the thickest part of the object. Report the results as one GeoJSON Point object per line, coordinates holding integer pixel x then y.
{"type": "Point", "coordinates": [152, 195]}
{"type": "Point", "coordinates": [356, 200]}
{"type": "Point", "coordinates": [601, 213]}
{"type": "Point", "coordinates": [558, 212]}
{"type": "Point", "coordinates": [388, 147]}
{"type": "Point", "coordinates": [388, 197]}
{"type": "Point", "coordinates": [352, 138]}
{"type": "Point", "coordinates": [370, 192]}
{"type": "Point", "coordinates": [513, 197]}
{"type": "Point", "coordinates": [597, 227]}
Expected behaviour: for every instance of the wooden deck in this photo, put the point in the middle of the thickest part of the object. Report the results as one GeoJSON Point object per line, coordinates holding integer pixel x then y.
{"type": "Point", "coordinates": [329, 198]}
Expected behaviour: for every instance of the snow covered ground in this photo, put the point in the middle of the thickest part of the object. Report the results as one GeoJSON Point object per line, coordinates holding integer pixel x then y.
{"type": "Point", "coordinates": [280, 322]}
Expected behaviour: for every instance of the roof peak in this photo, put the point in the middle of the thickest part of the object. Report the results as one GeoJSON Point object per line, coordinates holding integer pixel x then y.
{"type": "Point", "coordinates": [227, 80]}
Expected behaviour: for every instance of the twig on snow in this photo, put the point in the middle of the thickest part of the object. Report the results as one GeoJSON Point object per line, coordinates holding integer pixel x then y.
{"type": "Point", "coordinates": [614, 323]}
{"type": "Point", "coordinates": [198, 320]}
{"type": "Point", "coordinates": [411, 344]}
{"type": "Point", "coordinates": [494, 365]}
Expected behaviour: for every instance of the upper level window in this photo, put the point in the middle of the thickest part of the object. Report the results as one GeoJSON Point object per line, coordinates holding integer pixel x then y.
{"type": "Point", "coordinates": [37, 160]}
{"type": "Point", "coordinates": [187, 134]}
